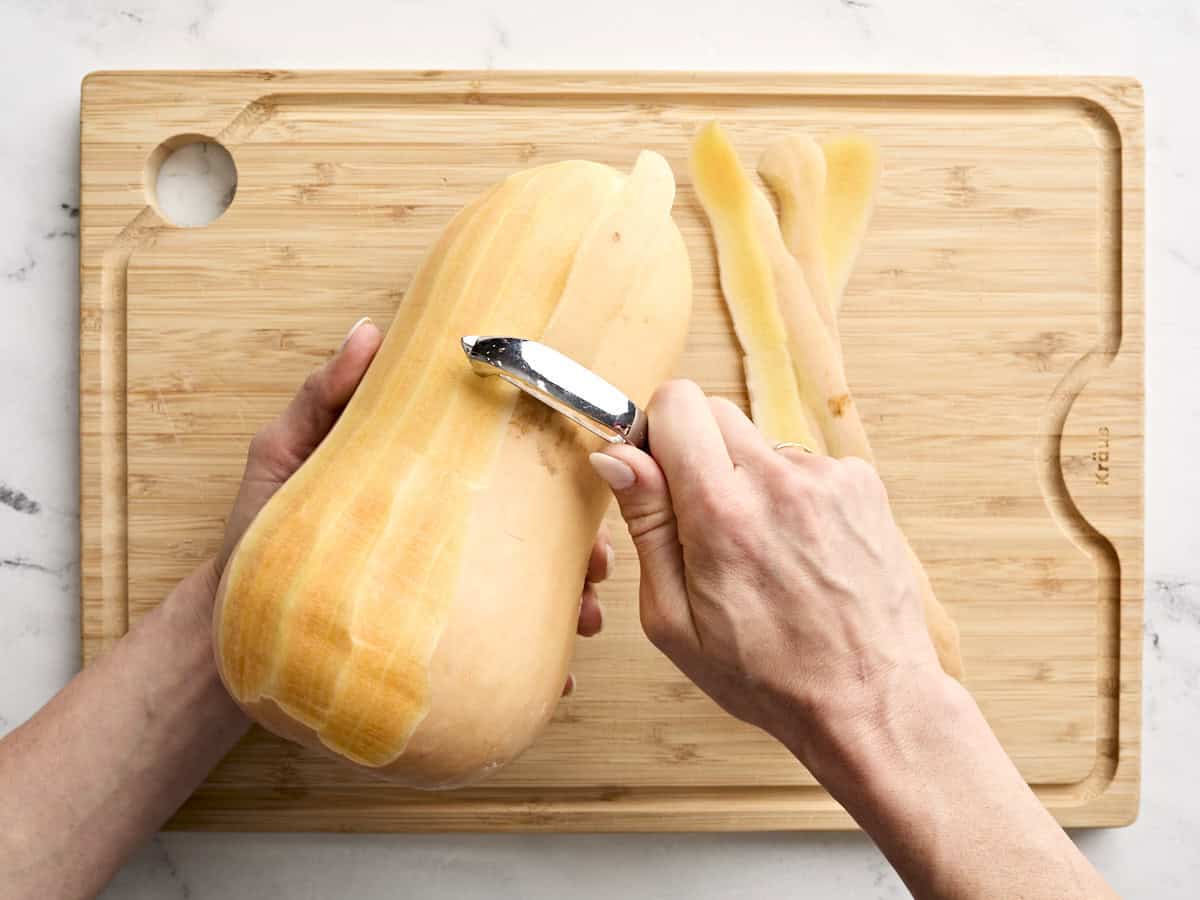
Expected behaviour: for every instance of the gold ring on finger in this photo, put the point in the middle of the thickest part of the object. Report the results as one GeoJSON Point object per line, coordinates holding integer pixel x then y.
{"type": "Point", "coordinates": [787, 445]}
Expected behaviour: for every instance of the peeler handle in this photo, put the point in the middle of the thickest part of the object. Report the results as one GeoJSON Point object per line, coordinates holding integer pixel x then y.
{"type": "Point", "coordinates": [562, 384]}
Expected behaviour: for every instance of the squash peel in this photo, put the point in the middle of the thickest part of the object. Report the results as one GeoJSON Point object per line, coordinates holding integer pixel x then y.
{"type": "Point", "coordinates": [747, 273]}
{"type": "Point", "coordinates": [852, 171]}
{"type": "Point", "coordinates": [793, 168]}
{"type": "Point", "coordinates": [800, 264]}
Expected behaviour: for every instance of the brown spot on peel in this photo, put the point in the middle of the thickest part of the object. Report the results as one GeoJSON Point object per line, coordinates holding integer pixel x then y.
{"type": "Point", "coordinates": [839, 404]}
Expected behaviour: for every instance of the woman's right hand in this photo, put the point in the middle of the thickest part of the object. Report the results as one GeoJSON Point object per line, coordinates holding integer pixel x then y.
{"type": "Point", "coordinates": [776, 580]}
{"type": "Point", "coordinates": [779, 583]}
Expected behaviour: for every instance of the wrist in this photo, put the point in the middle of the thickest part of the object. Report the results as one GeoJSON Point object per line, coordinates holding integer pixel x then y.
{"type": "Point", "coordinates": [193, 600]}
{"type": "Point", "coordinates": [922, 773]}
{"type": "Point", "coordinates": [187, 624]}
{"type": "Point", "coordinates": [862, 734]}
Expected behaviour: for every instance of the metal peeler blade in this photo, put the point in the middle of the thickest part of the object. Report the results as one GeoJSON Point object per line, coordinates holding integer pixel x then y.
{"type": "Point", "coordinates": [562, 384]}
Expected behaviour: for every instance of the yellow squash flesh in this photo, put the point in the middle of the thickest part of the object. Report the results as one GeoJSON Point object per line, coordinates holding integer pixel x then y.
{"type": "Point", "coordinates": [747, 274]}
{"type": "Point", "coordinates": [794, 169]}
{"type": "Point", "coordinates": [826, 196]}
{"type": "Point", "coordinates": [407, 600]}
{"type": "Point", "coordinates": [810, 401]}
{"type": "Point", "coordinates": [745, 229]}
{"type": "Point", "coordinates": [852, 167]}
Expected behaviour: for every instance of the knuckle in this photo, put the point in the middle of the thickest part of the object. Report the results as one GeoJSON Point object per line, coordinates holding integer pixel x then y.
{"type": "Point", "coordinates": [856, 467]}
{"type": "Point", "coordinates": [805, 502]}
{"type": "Point", "coordinates": [736, 518]}
{"type": "Point", "coordinates": [730, 535]}
{"type": "Point", "coordinates": [268, 449]}
{"type": "Point", "coordinates": [820, 466]}
{"type": "Point", "coordinates": [802, 497]}
{"type": "Point", "coordinates": [261, 443]}
{"type": "Point", "coordinates": [713, 506]}
{"type": "Point", "coordinates": [780, 473]}
{"type": "Point", "coordinates": [709, 505]}
{"type": "Point", "coordinates": [862, 476]}
{"type": "Point", "coordinates": [657, 627]}
{"type": "Point", "coordinates": [312, 383]}
{"type": "Point", "coordinates": [313, 379]}
{"type": "Point", "coordinates": [724, 404]}
{"type": "Point", "coordinates": [319, 387]}
{"type": "Point", "coordinates": [672, 391]}
{"type": "Point", "coordinates": [652, 528]}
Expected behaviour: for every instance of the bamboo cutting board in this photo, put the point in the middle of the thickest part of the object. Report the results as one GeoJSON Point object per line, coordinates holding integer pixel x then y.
{"type": "Point", "coordinates": [993, 334]}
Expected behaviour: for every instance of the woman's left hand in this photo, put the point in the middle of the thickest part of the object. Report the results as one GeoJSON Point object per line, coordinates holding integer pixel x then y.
{"type": "Point", "coordinates": [281, 447]}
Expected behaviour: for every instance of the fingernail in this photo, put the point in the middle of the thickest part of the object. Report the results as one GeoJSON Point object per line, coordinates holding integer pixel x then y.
{"type": "Point", "coordinates": [618, 475]}
{"type": "Point", "coordinates": [569, 687]}
{"type": "Point", "coordinates": [610, 561]}
{"type": "Point", "coordinates": [353, 328]}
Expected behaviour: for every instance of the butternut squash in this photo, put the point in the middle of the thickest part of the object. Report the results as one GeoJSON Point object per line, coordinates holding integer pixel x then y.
{"type": "Point", "coordinates": [407, 601]}
{"type": "Point", "coordinates": [749, 238]}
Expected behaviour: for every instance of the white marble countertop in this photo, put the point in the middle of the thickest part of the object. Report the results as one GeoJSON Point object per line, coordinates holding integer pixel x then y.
{"type": "Point", "coordinates": [49, 46]}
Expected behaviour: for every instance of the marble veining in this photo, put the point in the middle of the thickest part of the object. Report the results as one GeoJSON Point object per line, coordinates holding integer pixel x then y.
{"type": "Point", "coordinates": [203, 16]}
{"type": "Point", "coordinates": [1183, 259]}
{"type": "Point", "coordinates": [498, 42]}
{"type": "Point", "coordinates": [28, 565]}
{"type": "Point", "coordinates": [24, 270]}
{"type": "Point", "coordinates": [16, 500]}
{"type": "Point", "coordinates": [48, 47]}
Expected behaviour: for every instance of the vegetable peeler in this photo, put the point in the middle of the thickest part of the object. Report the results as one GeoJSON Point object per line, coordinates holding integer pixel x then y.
{"type": "Point", "coordinates": [562, 384]}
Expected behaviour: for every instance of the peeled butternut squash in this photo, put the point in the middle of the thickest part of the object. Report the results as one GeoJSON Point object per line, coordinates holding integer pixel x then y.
{"type": "Point", "coordinates": [407, 601]}
{"type": "Point", "coordinates": [750, 239]}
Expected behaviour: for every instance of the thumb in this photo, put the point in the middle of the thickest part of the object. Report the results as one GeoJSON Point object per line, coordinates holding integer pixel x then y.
{"type": "Point", "coordinates": [645, 502]}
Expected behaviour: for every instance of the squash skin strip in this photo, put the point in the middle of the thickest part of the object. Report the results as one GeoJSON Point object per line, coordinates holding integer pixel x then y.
{"type": "Point", "coordinates": [816, 354]}
{"type": "Point", "coordinates": [826, 195]}
{"type": "Point", "coordinates": [793, 168]}
{"type": "Point", "coordinates": [852, 172]}
{"type": "Point", "coordinates": [748, 283]}
{"type": "Point", "coordinates": [815, 349]}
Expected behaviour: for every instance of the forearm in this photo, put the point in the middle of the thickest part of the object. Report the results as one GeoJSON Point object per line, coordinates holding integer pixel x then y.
{"type": "Point", "coordinates": [114, 754]}
{"type": "Point", "coordinates": [926, 778]}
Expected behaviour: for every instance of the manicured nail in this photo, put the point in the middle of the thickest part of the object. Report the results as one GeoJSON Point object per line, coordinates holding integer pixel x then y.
{"type": "Point", "coordinates": [618, 474]}
{"type": "Point", "coordinates": [569, 687]}
{"type": "Point", "coordinates": [610, 561]}
{"type": "Point", "coordinates": [353, 328]}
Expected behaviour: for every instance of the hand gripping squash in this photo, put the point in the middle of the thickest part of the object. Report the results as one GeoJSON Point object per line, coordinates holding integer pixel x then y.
{"type": "Point", "coordinates": [407, 601]}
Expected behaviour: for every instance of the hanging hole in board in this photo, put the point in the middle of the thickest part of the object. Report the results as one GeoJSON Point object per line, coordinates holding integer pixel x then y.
{"type": "Point", "coordinates": [190, 180]}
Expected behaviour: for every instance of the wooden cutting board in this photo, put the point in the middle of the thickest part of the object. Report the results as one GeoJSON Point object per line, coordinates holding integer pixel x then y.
{"type": "Point", "coordinates": [993, 334]}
